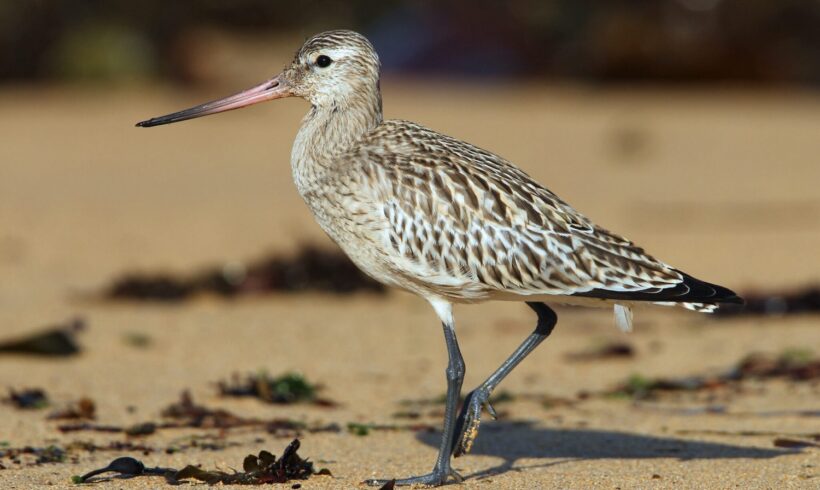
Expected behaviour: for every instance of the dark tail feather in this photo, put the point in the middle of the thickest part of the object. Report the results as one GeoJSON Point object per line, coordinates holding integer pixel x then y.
{"type": "Point", "coordinates": [704, 292]}
{"type": "Point", "coordinates": [689, 290]}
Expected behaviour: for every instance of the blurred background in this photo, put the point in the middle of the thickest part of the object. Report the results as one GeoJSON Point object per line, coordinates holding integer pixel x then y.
{"type": "Point", "coordinates": [663, 41]}
{"type": "Point", "coordinates": [673, 119]}
{"type": "Point", "coordinates": [690, 126]}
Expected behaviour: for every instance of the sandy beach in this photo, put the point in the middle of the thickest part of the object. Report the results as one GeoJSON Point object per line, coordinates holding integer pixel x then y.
{"type": "Point", "coordinates": [722, 184]}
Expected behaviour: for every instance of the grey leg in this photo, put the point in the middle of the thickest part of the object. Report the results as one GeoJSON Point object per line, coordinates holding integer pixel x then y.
{"type": "Point", "coordinates": [442, 471]}
{"type": "Point", "coordinates": [470, 416]}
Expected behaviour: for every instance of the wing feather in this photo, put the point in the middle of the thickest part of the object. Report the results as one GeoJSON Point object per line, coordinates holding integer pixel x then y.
{"type": "Point", "coordinates": [455, 209]}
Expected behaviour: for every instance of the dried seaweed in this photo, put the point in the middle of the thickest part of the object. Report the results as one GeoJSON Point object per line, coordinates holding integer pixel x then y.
{"type": "Point", "coordinates": [127, 466]}
{"type": "Point", "coordinates": [40, 455]}
{"type": "Point", "coordinates": [189, 414]}
{"type": "Point", "coordinates": [800, 301]}
{"type": "Point", "coordinates": [183, 413]}
{"type": "Point", "coordinates": [794, 365]}
{"type": "Point", "coordinates": [312, 269]}
{"type": "Point", "coordinates": [639, 387]}
{"type": "Point", "coordinates": [118, 446]}
{"type": "Point", "coordinates": [141, 429]}
{"type": "Point", "coordinates": [791, 443]}
{"type": "Point", "coordinates": [58, 340]}
{"type": "Point", "coordinates": [27, 399]}
{"type": "Point", "coordinates": [89, 427]}
{"type": "Point", "coordinates": [186, 414]}
{"type": "Point", "coordinates": [281, 427]}
{"type": "Point", "coordinates": [84, 408]}
{"type": "Point", "coordinates": [605, 350]}
{"type": "Point", "coordinates": [283, 389]}
{"type": "Point", "coordinates": [30, 455]}
{"type": "Point", "coordinates": [260, 469]}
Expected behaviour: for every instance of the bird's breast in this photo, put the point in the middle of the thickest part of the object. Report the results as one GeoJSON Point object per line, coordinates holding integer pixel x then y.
{"type": "Point", "coordinates": [351, 220]}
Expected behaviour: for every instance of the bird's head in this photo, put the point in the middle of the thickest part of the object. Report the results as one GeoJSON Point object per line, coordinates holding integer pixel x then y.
{"type": "Point", "coordinates": [334, 69]}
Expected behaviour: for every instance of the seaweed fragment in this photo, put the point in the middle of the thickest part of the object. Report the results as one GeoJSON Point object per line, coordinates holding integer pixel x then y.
{"type": "Point", "coordinates": [140, 429]}
{"type": "Point", "coordinates": [58, 340]}
{"type": "Point", "coordinates": [189, 414]}
{"type": "Point", "coordinates": [258, 469]}
{"type": "Point", "coordinates": [799, 301]}
{"type": "Point", "coordinates": [27, 399]}
{"type": "Point", "coordinates": [185, 413]}
{"type": "Point", "coordinates": [89, 427]}
{"type": "Point", "coordinates": [604, 350]}
{"type": "Point", "coordinates": [84, 408]}
{"type": "Point", "coordinates": [794, 364]}
{"type": "Point", "coordinates": [791, 443]}
{"type": "Point", "coordinates": [283, 389]}
{"type": "Point", "coordinates": [127, 466]}
{"type": "Point", "coordinates": [40, 455]}
{"type": "Point", "coordinates": [312, 268]}
{"type": "Point", "coordinates": [791, 364]}
{"type": "Point", "coordinates": [119, 446]}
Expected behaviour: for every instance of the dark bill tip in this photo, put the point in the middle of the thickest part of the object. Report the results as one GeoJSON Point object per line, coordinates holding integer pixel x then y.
{"type": "Point", "coordinates": [272, 89]}
{"type": "Point", "coordinates": [159, 121]}
{"type": "Point", "coordinates": [201, 110]}
{"type": "Point", "coordinates": [147, 123]}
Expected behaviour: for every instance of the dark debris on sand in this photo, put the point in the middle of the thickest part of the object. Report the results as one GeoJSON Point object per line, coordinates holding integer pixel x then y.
{"type": "Point", "coordinates": [27, 399]}
{"type": "Point", "coordinates": [264, 468]}
{"type": "Point", "coordinates": [283, 389]}
{"type": "Point", "coordinates": [604, 350]}
{"type": "Point", "coordinates": [793, 443]}
{"type": "Point", "coordinates": [57, 340]}
{"type": "Point", "coordinates": [83, 409]}
{"type": "Point", "coordinates": [118, 446]}
{"type": "Point", "coordinates": [794, 365]}
{"type": "Point", "coordinates": [181, 414]}
{"type": "Point", "coordinates": [30, 455]}
{"type": "Point", "coordinates": [800, 301]}
{"type": "Point", "coordinates": [312, 269]}
{"type": "Point", "coordinates": [186, 414]}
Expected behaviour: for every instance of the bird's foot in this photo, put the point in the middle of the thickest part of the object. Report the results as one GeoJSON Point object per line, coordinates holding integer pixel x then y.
{"type": "Point", "coordinates": [469, 419]}
{"type": "Point", "coordinates": [435, 478]}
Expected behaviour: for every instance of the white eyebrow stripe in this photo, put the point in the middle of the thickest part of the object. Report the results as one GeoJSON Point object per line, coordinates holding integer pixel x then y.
{"type": "Point", "coordinates": [335, 53]}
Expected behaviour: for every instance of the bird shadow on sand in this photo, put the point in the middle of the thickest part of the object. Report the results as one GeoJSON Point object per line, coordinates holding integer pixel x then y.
{"type": "Point", "coordinates": [514, 440]}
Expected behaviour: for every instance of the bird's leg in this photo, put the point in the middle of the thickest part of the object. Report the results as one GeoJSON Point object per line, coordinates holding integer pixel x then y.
{"type": "Point", "coordinates": [442, 472]}
{"type": "Point", "coordinates": [470, 416]}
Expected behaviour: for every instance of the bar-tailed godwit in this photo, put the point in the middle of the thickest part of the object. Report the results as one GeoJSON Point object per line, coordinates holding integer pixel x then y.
{"type": "Point", "coordinates": [448, 221]}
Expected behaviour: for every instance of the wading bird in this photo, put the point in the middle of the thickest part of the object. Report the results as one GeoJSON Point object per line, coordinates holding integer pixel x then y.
{"type": "Point", "coordinates": [448, 221]}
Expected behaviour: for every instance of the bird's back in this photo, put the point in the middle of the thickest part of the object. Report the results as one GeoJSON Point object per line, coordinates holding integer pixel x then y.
{"type": "Point", "coordinates": [450, 219]}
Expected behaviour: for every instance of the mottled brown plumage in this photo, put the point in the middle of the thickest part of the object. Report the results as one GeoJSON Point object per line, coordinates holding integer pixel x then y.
{"type": "Point", "coordinates": [447, 220]}
{"type": "Point", "coordinates": [442, 218]}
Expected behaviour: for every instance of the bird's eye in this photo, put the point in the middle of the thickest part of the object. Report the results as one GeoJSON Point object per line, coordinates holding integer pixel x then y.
{"type": "Point", "coordinates": [323, 61]}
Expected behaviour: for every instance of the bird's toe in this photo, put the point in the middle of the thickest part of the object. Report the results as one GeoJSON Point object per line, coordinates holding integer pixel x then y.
{"type": "Point", "coordinates": [470, 419]}
{"type": "Point", "coordinates": [433, 479]}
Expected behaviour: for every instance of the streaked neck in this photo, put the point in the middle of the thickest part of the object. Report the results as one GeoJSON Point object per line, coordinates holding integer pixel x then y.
{"type": "Point", "coordinates": [328, 131]}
